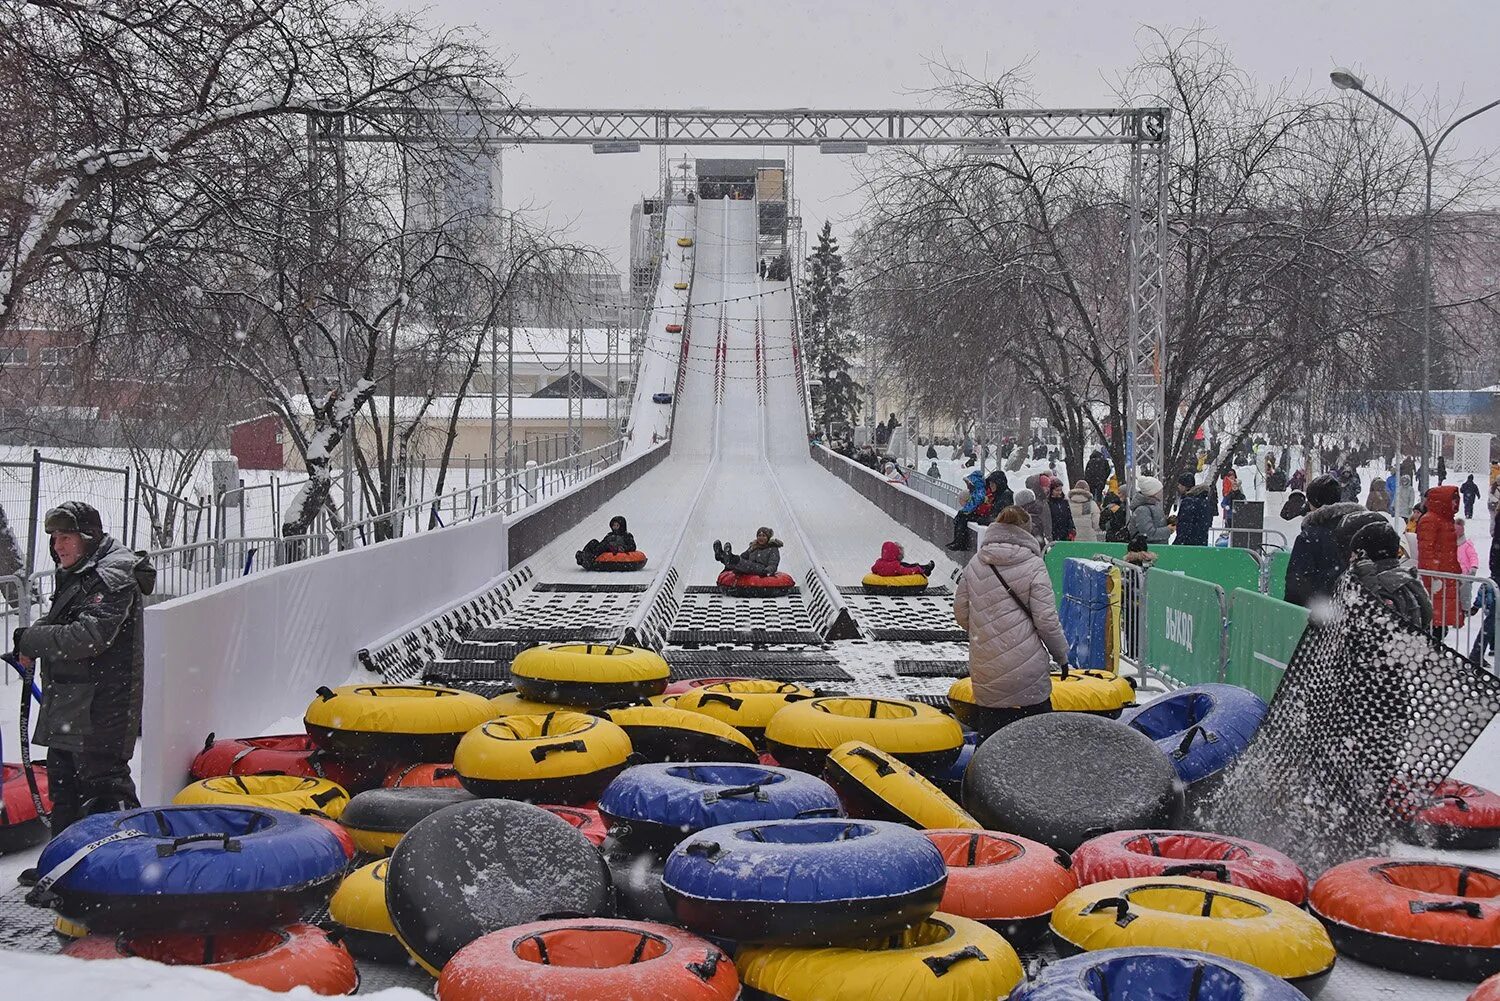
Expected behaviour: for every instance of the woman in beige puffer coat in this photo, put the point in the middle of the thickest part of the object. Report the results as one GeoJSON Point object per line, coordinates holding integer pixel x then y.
{"type": "Point", "coordinates": [1085, 513]}
{"type": "Point", "coordinates": [1011, 652]}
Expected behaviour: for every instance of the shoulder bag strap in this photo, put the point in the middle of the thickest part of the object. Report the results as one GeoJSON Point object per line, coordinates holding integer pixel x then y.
{"type": "Point", "coordinates": [1014, 596]}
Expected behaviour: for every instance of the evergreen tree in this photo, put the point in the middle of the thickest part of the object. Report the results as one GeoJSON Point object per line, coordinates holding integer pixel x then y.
{"type": "Point", "coordinates": [828, 341]}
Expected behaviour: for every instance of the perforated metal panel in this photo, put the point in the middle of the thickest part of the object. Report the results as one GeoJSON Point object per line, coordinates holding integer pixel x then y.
{"type": "Point", "coordinates": [927, 617]}
{"type": "Point", "coordinates": [932, 668]}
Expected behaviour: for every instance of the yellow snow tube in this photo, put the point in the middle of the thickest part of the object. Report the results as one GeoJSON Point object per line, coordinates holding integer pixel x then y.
{"type": "Point", "coordinates": [680, 286]}
{"type": "Point", "coordinates": [1181, 912]}
{"type": "Point", "coordinates": [588, 674]}
{"type": "Point", "coordinates": [400, 722]}
{"type": "Point", "coordinates": [1103, 693]}
{"type": "Point", "coordinates": [69, 929]}
{"type": "Point", "coordinates": [912, 583]}
{"type": "Point", "coordinates": [564, 758]}
{"type": "Point", "coordinates": [358, 908]}
{"type": "Point", "coordinates": [663, 733]}
{"type": "Point", "coordinates": [875, 786]}
{"type": "Point", "coordinates": [292, 793]}
{"type": "Point", "coordinates": [747, 705]}
{"type": "Point", "coordinates": [684, 241]}
{"type": "Point", "coordinates": [801, 735]}
{"type": "Point", "coordinates": [945, 958]}
{"type": "Point", "coordinates": [515, 704]}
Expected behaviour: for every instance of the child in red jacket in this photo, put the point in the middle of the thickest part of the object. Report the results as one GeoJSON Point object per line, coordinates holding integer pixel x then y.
{"type": "Point", "coordinates": [890, 563]}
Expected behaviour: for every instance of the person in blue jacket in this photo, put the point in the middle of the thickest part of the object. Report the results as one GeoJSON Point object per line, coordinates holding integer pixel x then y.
{"type": "Point", "coordinates": [1390, 489]}
{"type": "Point", "coordinates": [1195, 512]}
{"type": "Point", "coordinates": [975, 510]}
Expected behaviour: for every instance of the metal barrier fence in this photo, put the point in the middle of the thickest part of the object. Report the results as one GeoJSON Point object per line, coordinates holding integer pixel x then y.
{"type": "Point", "coordinates": [1463, 613]}
{"type": "Point", "coordinates": [939, 490]}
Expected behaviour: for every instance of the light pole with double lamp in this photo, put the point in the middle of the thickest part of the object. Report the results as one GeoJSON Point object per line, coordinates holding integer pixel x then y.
{"type": "Point", "coordinates": [1345, 79]}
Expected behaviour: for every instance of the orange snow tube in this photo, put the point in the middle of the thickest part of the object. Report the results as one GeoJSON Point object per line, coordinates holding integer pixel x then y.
{"type": "Point", "coordinates": [1487, 991]}
{"type": "Point", "coordinates": [278, 959]}
{"type": "Point", "coordinates": [674, 328]}
{"type": "Point", "coordinates": [427, 775]}
{"type": "Point", "coordinates": [618, 562]}
{"type": "Point", "coordinates": [1005, 881]}
{"type": "Point", "coordinates": [745, 585]}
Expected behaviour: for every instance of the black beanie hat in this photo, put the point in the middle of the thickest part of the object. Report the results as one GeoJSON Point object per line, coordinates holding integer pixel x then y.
{"type": "Point", "coordinates": [1376, 541]}
{"type": "Point", "coordinates": [1186, 481]}
{"type": "Point", "coordinates": [1323, 491]}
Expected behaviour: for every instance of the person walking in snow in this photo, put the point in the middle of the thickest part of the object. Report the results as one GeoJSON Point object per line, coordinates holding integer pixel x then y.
{"type": "Point", "coordinates": [1195, 512]}
{"type": "Point", "coordinates": [1405, 496]}
{"type": "Point", "coordinates": [1437, 549]}
{"type": "Point", "coordinates": [1317, 562]}
{"type": "Point", "coordinates": [1146, 516]}
{"type": "Point", "coordinates": [1442, 469]}
{"type": "Point", "coordinates": [1085, 512]}
{"type": "Point", "coordinates": [762, 558]}
{"type": "Point", "coordinates": [1096, 473]}
{"type": "Point", "coordinates": [1114, 519]}
{"type": "Point", "coordinates": [1470, 494]}
{"type": "Point", "coordinates": [1037, 508]}
{"type": "Point", "coordinates": [1468, 560]}
{"type": "Point", "coordinates": [1060, 510]}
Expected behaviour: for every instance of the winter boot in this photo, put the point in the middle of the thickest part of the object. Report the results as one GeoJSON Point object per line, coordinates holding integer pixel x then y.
{"type": "Point", "coordinates": [718, 550]}
{"type": "Point", "coordinates": [28, 877]}
{"type": "Point", "coordinates": [928, 567]}
{"type": "Point", "coordinates": [582, 558]}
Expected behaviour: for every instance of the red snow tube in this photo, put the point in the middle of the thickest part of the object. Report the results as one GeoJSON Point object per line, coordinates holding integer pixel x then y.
{"type": "Point", "coordinates": [674, 328]}
{"type": "Point", "coordinates": [586, 959]}
{"type": "Point", "coordinates": [278, 959]}
{"type": "Point", "coordinates": [585, 818]}
{"type": "Point", "coordinates": [1487, 991]}
{"type": "Point", "coordinates": [20, 827]}
{"type": "Point", "coordinates": [1458, 815]}
{"type": "Point", "coordinates": [428, 775]}
{"type": "Point", "coordinates": [284, 754]}
{"type": "Point", "coordinates": [744, 585]}
{"type": "Point", "coordinates": [1008, 882]}
{"type": "Point", "coordinates": [619, 562]}
{"type": "Point", "coordinates": [688, 684]}
{"type": "Point", "coordinates": [338, 830]}
{"type": "Point", "coordinates": [1139, 854]}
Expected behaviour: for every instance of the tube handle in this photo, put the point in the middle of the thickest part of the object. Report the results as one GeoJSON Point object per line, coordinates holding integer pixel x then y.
{"type": "Point", "coordinates": [539, 754]}
{"type": "Point", "coordinates": [940, 965]}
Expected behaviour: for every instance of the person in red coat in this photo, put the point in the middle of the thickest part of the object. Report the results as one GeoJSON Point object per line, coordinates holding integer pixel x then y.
{"type": "Point", "coordinates": [1437, 549]}
{"type": "Point", "coordinates": [890, 563]}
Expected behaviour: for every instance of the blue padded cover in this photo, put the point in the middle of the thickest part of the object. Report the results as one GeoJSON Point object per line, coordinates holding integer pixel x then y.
{"type": "Point", "coordinates": [1227, 715]}
{"type": "Point", "coordinates": [1154, 973]}
{"type": "Point", "coordinates": [696, 795]}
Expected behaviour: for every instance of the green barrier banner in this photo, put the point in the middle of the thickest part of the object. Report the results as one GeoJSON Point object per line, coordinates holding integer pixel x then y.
{"type": "Point", "coordinates": [1277, 573]}
{"type": "Point", "coordinates": [1228, 568]}
{"type": "Point", "coordinates": [1059, 553]}
{"type": "Point", "coordinates": [1263, 632]}
{"type": "Point", "coordinates": [1185, 627]}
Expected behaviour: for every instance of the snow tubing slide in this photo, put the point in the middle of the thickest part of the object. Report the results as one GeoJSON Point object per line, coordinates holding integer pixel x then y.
{"type": "Point", "coordinates": [801, 735]}
{"type": "Point", "coordinates": [658, 805]}
{"type": "Point", "coordinates": [188, 869]}
{"type": "Point", "coordinates": [1154, 973]}
{"type": "Point", "coordinates": [1179, 912]}
{"type": "Point", "coordinates": [291, 793]}
{"type": "Point", "coordinates": [804, 882]}
{"type": "Point", "coordinates": [357, 910]}
{"type": "Point", "coordinates": [284, 754]}
{"type": "Point", "coordinates": [584, 820]}
{"type": "Point", "coordinates": [875, 786]}
{"type": "Point", "coordinates": [1006, 882]}
{"type": "Point", "coordinates": [1457, 815]}
{"type": "Point", "coordinates": [746, 585]}
{"type": "Point", "coordinates": [377, 819]}
{"type": "Point", "coordinates": [428, 775]}
{"type": "Point", "coordinates": [1062, 778]}
{"type": "Point", "coordinates": [944, 958]}
{"type": "Point", "coordinates": [20, 827]}
{"type": "Point", "coordinates": [1203, 729]}
{"type": "Point", "coordinates": [562, 757]}
{"type": "Point", "coordinates": [666, 733]}
{"type": "Point", "coordinates": [587, 959]}
{"type": "Point", "coordinates": [394, 722]}
{"type": "Point", "coordinates": [278, 959]}
{"type": "Point", "coordinates": [747, 704]}
{"type": "Point", "coordinates": [1426, 918]}
{"type": "Point", "coordinates": [588, 674]}
{"type": "Point", "coordinates": [1134, 854]}
{"type": "Point", "coordinates": [618, 562]}
{"type": "Point", "coordinates": [523, 863]}
{"type": "Point", "coordinates": [875, 583]}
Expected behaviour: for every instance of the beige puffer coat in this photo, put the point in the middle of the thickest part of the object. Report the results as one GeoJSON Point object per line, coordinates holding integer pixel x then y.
{"type": "Point", "coordinates": [1010, 659]}
{"type": "Point", "coordinates": [1085, 516]}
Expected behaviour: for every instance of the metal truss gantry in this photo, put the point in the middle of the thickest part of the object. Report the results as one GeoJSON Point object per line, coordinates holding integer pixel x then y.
{"type": "Point", "coordinates": [1145, 130]}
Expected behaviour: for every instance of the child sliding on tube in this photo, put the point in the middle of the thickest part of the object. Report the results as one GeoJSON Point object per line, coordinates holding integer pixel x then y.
{"type": "Point", "coordinates": [619, 540]}
{"type": "Point", "coordinates": [891, 563]}
{"type": "Point", "coordinates": [761, 558]}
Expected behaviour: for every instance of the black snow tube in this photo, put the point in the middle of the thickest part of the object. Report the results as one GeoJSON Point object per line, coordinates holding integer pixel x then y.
{"type": "Point", "coordinates": [377, 818]}
{"type": "Point", "coordinates": [1062, 778]}
{"type": "Point", "coordinates": [489, 864]}
{"type": "Point", "coordinates": [637, 880]}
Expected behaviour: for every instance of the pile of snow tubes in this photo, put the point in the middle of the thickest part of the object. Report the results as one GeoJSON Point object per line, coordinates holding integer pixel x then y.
{"type": "Point", "coordinates": [874, 785]}
{"type": "Point", "coordinates": [667, 733]}
{"type": "Point", "coordinates": [588, 674]}
{"type": "Point", "coordinates": [516, 704]}
{"type": "Point", "coordinates": [561, 757]}
{"type": "Point", "coordinates": [804, 882]}
{"type": "Point", "coordinates": [1426, 918]}
{"type": "Point", "coordinates": [749, 585]}
{"type": "Point", "coordinates": [1062, 778]}
{"type": "Point", "coordinates": [1179, 912]}
{"type": "Point", "coordinates": [358, 913]}
{"type": "Point", "coordinates": [618, 562]}
{"type": "Point", "coordinates": [802, 734]}
{"type": "Point", "coordinates": [747, 704]}
{"type": "Point", "coordinates": [285, 754]}
{"type": "Point", "coordinates": [1135, 854]}
{"type": "Point", "coordinates": [656, 806]}
{"type": "Point", "coordinates": [912, 583]}
{"type": "Point", "coordinates": [20, 827]}
{"type": "Point", "coordinates": [292, 793]}
{"type": "Point", "coordinates": [378, 818]}
{"type": "Point", "coordinates": [278, 959]}
{"type": "Point", "coordinates": [172, 868]}
{"type": "Point", "coordinates": [1098, 693]}
{"type": "Point", "coordinates": [585, 820]}
{"type": "Point", "coordinates": [394, 722]}
{"type": "Point", "coordinates": [951, 779]}
{"type": "Point", "coordinates": [1176, 974]}
{"type": "Point", "coordinates": [1203, 729]}
{"type": "Point", "coordinates": [589, 959]}
{"type": "Point", "coordinates": [1009, 883]}
{"type": "Point", "coordinates": [428, 775]}
{"type": "Point", "coordinates": [1456, 815]}
{"type": "Point", "coordinates": [486, 865]}
{"type": "Point", "coordinates": [943, 958]}
{"type": "Point", "coordinates": [636, 876]}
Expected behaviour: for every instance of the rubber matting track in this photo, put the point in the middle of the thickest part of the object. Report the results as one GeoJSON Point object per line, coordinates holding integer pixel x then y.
{"type": "Point", "coordinates": [446, 672]}
{"type": "Point", "coordinates": [715, 589]}
{"type": "Point", "coordinates": [753, 636]}
{"type": "Point", "coordinates": [919, 635]}
{"type": "Point", "coordinates": [565, 588]}
{"type": "Point", "coordinates": [737, 663]}
{"type": "Point", "coordinates": [932, 668]}
{"type": "Point", "coordinates": [531, 635]}
{"type": "Point", "coordinates": [931, 591]}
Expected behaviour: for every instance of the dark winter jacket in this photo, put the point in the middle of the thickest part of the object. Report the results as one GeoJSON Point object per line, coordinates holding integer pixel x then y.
{"type": "Point", "coordinates": [1398, 588]}
{"type": "Point", "coordinates": [1276, 481]}
{"type": "Point", "coordinates": [1195, 516]}
{"type": "Point", "coordinates": [1039, 509]}
{"type": "Point", "coordinates": [760, 561]}
{"type": "Point", "coordinates": [621, 541]}
{"type": "Point", "coordinates": [1096, 472]}
{"type": "Point", "coordinates": [1469, 491]}
{"type": "Point", "coordinates": [891, 565]}
{"type": "Point", "coordinates": [1317, 561]}
{"type": "Point", "coordinates": [1146, 518]}
{"type": "Point", "coordinates": [975, 484]}
{"type": "Point", "coordinates": [1113, 521]}
{"type": "Point", "coordinates": [1295, 506]}
{"type": "Point", "coordinates": [1061, 511]}
{"type": "Point", "coordinates": [1000, 496]}
{"type": "Point", "coordinates": [91, 646]}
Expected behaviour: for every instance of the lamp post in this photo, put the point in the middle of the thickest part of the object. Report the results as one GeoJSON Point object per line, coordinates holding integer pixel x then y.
{"type": "Point", "coordinates": [1345, 79]}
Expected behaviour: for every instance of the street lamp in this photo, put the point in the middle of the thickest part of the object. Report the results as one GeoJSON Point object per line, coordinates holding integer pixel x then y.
{"type": "Point", "coordinates": [1345, 79]}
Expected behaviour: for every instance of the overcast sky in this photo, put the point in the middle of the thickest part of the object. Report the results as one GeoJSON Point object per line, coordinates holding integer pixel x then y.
{"type": "Point", "coordinates": [871, 54]}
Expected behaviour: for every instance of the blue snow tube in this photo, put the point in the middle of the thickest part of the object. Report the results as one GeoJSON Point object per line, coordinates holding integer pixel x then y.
{"type": "Point", "coordinates": [804, 882]}
{"type": "Point", "coordinates": [658, 805]}
{"type": "Point", "coordinates": [1202, 729]}
{"type": "Point", "coordinates": [189, 868]}
{"type": "Point", "coordinates": [951, 779]}
{"type": "Point", "coordinates": [1154, 973]}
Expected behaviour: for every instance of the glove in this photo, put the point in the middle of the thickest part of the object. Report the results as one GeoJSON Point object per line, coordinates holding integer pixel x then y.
{"type": "Point", "coordinates": [15, 640]}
